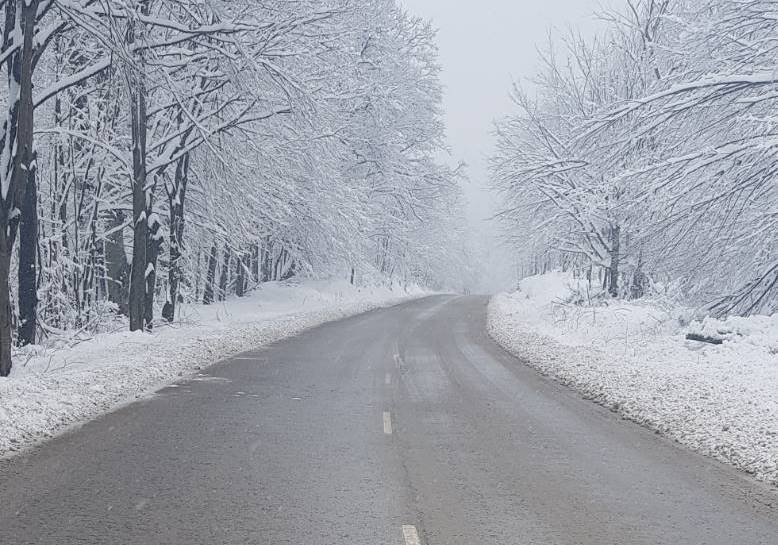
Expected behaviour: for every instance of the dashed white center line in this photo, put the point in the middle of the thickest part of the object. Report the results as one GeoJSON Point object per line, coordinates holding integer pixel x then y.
{"type": "Point", "coordinates": [411, 535]}
{"type": "Point", "coordinates": [387, 423]}
{"type": "Point", "coordinates": [388, 379]}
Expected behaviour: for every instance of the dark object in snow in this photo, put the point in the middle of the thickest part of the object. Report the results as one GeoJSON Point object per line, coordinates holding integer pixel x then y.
{"type": "Point", "coordinates": [703, 338]}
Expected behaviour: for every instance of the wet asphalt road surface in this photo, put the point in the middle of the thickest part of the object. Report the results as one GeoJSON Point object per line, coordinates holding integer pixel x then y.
{"type": "Point", "coordinates": [400, 426]}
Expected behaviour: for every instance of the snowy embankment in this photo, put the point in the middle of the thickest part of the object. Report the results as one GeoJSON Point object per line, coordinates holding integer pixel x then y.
{"type": "Point", "coordinates": [720, 400]}
{"type": "Point", "coordinates": [50, 389]}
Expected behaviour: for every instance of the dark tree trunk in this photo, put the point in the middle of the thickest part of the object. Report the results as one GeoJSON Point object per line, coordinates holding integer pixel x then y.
{"type": "Point", "coordinates": [288, 267]}
{"type": "Point", "coordinates": [116, 265]}
{"type": "Point", "coordinates": [6, 338]}
{"type": "Point", "coordinates": [139, 220]}
{"type": "Point", "coordinates": [28, 253]}
{"type": "Point", "coordinates": [240, 279]}
{"type": "Point", "coordinates": [224, 278]}
{"type": "Point", "coordinates": [613, 284]}
{"type": "Point", "coordinates": [267, 261]}
{"type": "Point", "coordinates": [89, 287]}
{"type": "Point", "coordinates": [198, 276]}
{"type": "Point", "coordinates": [176, 211]}
{"type": "Point", "coordinates": [210, 278]}
{"type": "Point", "coordinates": [59, 207]}
{"type": "Point", "coordinates": [140, 193]}
{"type": "Point", "coordinates": [152, 253]}
{"type": "Point", "coordinates": [255, 264]}
{"type": "Point", "coordinates": [17, 143]}
{"type": "Point", "coordinates": [638, 287]}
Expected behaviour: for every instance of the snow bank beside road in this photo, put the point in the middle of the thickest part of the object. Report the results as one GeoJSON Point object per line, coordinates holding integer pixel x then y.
{"type": "Point", "coordinates": [51, 389]}
{"type": "Point", "coordinates": [721, 400]}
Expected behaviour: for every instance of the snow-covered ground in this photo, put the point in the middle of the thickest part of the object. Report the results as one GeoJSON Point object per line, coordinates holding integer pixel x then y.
{"type": "Point", "coordinates": [721, 400]}
{"type": "Point", "coordinates": [51, 388]}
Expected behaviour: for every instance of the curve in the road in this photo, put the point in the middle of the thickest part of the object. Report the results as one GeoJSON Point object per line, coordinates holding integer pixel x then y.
{"type": "Point", "coordinates": [404, 425]}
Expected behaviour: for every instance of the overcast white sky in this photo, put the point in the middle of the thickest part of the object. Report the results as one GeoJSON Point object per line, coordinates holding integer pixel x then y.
{"type": "Point", "coordinates": [485, 45]}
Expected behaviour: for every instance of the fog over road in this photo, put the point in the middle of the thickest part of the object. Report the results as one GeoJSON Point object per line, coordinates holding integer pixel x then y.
{"type": "Point", "coordinates": [400, 426]}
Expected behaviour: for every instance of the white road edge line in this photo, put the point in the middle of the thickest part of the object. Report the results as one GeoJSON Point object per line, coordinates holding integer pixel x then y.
{"type": "Point", "coordinates": [411, 535]}
{"type": "Point", "coordinates": [387, 423]}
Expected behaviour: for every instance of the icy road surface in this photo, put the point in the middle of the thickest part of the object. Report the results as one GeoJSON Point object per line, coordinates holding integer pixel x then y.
{"type": "Point", "coordinates": [400, 426]}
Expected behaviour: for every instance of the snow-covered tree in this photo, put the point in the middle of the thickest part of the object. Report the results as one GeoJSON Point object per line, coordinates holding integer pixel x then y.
{"type": "Point", "coordinates": [648, 158]}
{"type": "Point", "coordinates": [187, 151]}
